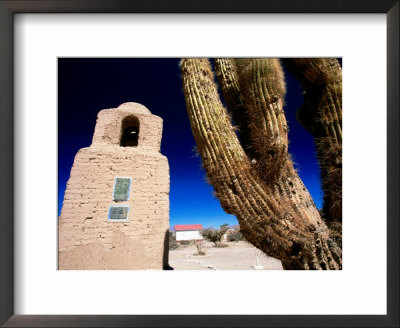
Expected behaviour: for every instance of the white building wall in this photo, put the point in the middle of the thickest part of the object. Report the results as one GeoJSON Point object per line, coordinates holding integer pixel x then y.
{"type": "Point", "coordinates": [188, 235]}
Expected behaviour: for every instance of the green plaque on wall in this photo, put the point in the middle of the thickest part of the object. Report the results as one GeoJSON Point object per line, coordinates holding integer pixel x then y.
{"type": "Point", "coordinates": [122, 188]}
{"type": "Point", "coordinates": [118, 213]}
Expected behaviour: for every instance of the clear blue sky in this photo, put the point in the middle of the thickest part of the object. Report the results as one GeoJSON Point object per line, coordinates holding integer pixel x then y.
{"type": "Point", "coordinates": [86, 86]}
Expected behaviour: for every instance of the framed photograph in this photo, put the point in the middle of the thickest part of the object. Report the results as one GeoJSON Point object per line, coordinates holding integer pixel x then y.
{"type": "Point", "coordinates": [38, 38]}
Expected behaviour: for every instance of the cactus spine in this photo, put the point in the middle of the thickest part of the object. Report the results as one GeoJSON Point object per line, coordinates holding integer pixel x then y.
{"type": "Point", "coordinates": [254, 177]}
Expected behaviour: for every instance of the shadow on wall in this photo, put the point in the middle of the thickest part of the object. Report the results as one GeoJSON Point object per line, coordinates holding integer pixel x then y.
{"type": "Point", "coordinates": [166, 252]}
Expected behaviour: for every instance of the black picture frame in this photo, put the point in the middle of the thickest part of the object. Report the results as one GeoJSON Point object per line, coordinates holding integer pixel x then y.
{"type": "Point", "coordinates": [10, 7]}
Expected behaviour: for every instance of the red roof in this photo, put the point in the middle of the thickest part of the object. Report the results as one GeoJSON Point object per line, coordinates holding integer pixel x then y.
{"type": "Point", "coordinates": [181, 227]}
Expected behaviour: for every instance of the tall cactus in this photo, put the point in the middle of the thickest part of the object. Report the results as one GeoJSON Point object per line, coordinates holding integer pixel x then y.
{"type": "Point", "coordinates": [253, 176]}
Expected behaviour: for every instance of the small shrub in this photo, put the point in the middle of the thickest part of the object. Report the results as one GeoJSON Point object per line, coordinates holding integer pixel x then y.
{"type": "Point", "coordinates": [199, 246]}
{"type": "Point", "coordinates": [172, 241]}
{"type": "Point", "coordinates": [215, 235]}
{"type": "Point", "coordinates": [235, 236]}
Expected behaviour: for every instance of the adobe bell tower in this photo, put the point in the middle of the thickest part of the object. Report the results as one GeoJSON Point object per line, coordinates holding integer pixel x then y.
{"type": "Point", "coordinates": [115, 213]}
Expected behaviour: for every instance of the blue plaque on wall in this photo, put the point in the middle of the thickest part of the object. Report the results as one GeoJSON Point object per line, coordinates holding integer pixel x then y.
{"type": "Point", "coordinates": [118, 213]}
{"type": "Point", "coordinates": [122, 188]}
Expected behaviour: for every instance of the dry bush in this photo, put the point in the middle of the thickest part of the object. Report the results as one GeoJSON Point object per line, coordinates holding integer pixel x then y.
{"type": "Point", "coordinates": [235, 235]}
{"type": "Point", "coordinates": [215, 235]}
{"type": "Point", "coordinates": [200, 247]}
{"type": "Point", "coordinates": [172, 241]}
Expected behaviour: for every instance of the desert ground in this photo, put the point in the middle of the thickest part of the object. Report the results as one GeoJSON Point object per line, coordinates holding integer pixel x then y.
{"type": "Point", "coordinates": [238, 255]}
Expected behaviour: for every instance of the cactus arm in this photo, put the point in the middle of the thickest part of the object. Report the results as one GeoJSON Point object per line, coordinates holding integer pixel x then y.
{"type": "Point", "coordinates": [253, 90]}
{"type": "Point", "coordinates": [265, 221]}
{"type": "Point", "coordinates": [265, 76]}
{"type": "Point", "coordinates": [321, 114]}
{"type": "Point", "coordinates": [262, 88]}
{"type": "Point", "coordinates": [228, 81]}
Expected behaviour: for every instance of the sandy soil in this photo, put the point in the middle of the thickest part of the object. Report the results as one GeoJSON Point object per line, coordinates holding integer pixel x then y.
{"type": "Point", "coordinates": [237, 256]}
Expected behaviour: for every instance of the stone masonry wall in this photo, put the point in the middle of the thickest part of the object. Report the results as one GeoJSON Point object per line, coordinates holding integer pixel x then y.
{"type": "Point", "coordinates": [87, 240]}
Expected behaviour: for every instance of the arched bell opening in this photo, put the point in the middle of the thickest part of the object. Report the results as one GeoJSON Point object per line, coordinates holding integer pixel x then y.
{"type": "Point", "coordinates": [129, 132]}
